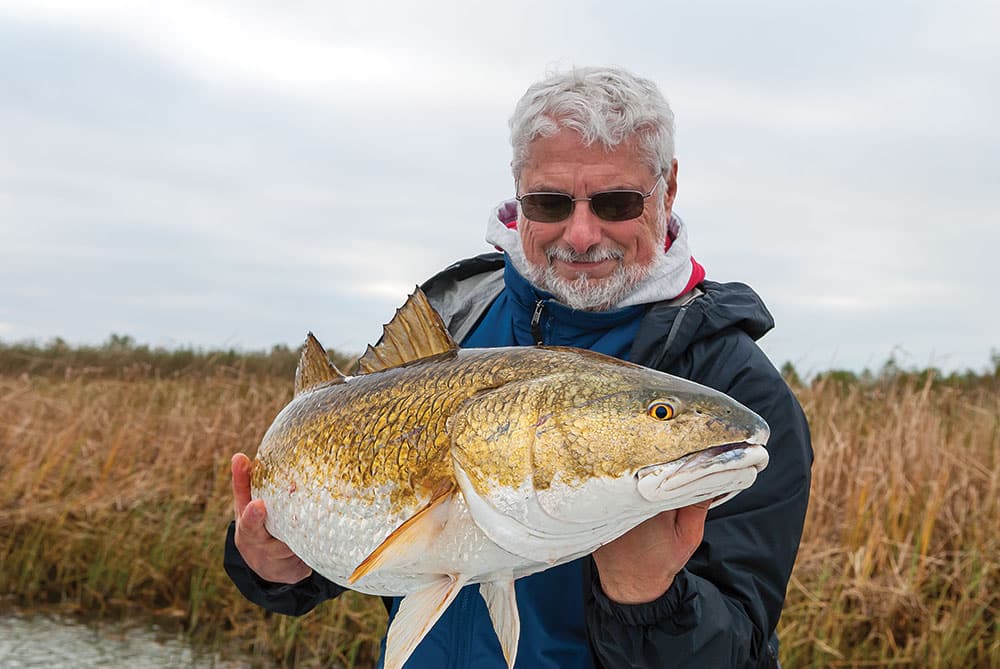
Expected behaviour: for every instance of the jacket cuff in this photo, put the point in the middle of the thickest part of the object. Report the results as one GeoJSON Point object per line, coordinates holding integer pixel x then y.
{"type": "Point", "coordinates": [676, 611]}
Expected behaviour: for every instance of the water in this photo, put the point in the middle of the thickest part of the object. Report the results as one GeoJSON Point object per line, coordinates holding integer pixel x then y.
{"type": "Point", "coordinates": [55, 642]}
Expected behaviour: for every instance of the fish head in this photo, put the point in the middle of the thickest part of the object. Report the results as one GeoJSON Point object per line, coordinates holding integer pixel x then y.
{"type": "Point", "coordinates": [590, 451]}
{"type": "Point", "coordinates": [656, 440]}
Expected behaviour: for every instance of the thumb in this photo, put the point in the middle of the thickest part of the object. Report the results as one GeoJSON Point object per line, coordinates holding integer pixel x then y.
{"type": "Point", "coordinates": [690, 523]}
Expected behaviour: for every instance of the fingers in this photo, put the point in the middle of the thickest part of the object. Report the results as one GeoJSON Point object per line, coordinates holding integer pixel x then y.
{"type": "Point", "coordinates": [270, 558]}
{"type": "Point", "coordinates": [250, 525]}
{"type": "Point", "coordinates": [241, 484]}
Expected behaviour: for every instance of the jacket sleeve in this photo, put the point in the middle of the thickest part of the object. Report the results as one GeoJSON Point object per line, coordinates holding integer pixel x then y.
{"type": "Point", "coordinates": [290, 599]}
{"type": "Point", "coordinates": [722, 608]}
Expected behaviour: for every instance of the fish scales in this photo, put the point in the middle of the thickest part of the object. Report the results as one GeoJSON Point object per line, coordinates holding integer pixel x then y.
{"type": "Point", "coordinates": [355, 431]}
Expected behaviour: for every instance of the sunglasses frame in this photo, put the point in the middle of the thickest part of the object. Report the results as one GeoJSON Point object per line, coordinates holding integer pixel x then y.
{"type": "Point", "coordinates": [590, 199]}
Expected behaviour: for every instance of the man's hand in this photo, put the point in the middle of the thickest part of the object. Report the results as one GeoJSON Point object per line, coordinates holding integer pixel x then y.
{"type": "Point", "coordinates": [640, 565]}
{"type": "Point", "coordinates": [269, 558]}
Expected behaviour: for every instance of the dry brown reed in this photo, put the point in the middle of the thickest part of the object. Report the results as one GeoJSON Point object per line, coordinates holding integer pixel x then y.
{"type": "Point", "coordinates": [900, 560]}
{"type": "Point", "coordinates": [115, 496]}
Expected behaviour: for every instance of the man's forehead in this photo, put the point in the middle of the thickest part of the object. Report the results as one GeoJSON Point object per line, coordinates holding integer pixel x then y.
{"type": "Point", "coordinates": [569, 140]}
{"type": "Point", "coordinates": [567, 152]}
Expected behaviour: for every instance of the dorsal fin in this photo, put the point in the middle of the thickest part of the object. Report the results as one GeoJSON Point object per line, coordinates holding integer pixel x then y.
{"type": "Point", "coordinates": [315, 368]}
{"type": "Point", "coordinates": [415, 332]}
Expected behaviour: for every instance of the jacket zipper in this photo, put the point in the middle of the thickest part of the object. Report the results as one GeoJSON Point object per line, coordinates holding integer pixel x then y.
{"type": "Point", "coordinates": [536, 323]}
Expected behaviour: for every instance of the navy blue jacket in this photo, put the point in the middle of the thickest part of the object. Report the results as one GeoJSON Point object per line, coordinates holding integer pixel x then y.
{"type": "Point", "coordinates": [722, 609]}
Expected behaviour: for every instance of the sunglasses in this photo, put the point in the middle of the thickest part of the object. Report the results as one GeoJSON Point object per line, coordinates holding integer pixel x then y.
{"type": "Point", "coordinates": [609, 205]}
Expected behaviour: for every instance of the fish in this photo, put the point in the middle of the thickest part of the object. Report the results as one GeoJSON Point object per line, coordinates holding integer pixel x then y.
{"type": "Point", "coordinates": [434, 466]}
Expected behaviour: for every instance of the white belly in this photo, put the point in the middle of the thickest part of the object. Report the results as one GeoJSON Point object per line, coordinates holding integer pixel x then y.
{"type": "Point", "coordinates": [334, 534]}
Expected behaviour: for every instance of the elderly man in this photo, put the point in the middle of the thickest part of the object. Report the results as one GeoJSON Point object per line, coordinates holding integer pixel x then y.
{"type": "Point", "coordinates": [594, 257]}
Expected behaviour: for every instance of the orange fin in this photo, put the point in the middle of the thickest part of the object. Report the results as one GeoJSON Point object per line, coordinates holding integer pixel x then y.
{"type": "Point", "coordinates": [411, 539]}
{"type": "Point", "coordinates": [315, 368]}
{"type": "Point", "coordinates": [415, 332]}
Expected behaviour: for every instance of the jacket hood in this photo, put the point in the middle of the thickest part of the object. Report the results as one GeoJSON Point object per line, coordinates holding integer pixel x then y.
{"type": "Point", "coordinates": [716, 309]}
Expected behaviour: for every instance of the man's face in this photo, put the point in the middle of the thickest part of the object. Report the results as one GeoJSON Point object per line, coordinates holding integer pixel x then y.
{"type": "Point", "coordinates": [595, 261]}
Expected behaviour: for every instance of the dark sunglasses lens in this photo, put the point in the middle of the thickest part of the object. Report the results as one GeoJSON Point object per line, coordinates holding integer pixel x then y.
{"type": "Point", "coordinates": [617, 205]}
{"type": "Point", "coordinates": [546, 207]}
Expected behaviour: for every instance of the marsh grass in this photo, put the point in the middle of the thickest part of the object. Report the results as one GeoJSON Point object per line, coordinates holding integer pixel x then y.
{"type": "Point", "coordinates": [900, 559]}
{"type": "Point", "coordinates": [120, 357]}
{"type": "Point", "coordinates": [115, 496]}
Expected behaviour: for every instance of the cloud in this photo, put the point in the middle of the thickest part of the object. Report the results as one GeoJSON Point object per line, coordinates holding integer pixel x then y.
{"type": "Point", "coordinates": [196, 173]}
{"type": "Point", "coordinates": [230, 44]}
{"type": "Point", "coordinates": [394, 292]}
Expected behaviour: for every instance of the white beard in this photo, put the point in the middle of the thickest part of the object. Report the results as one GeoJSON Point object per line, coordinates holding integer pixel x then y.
{"type": "Point", "coordinates": [664, 278]}
{"type": "Point", "coordinates": [583, 292]}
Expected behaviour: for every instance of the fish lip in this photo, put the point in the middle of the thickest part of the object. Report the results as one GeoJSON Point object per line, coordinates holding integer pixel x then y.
{"type": "Point", "coordinates": [700, 464]}
{"type": "Point", "coordinates": [710, 452]}
{"type": "Point", "coordinates": [719, 450]}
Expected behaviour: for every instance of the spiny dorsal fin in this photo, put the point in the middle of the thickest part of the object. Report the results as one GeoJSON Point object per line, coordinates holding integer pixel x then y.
{"type": "Point", "coordinates": [315, 368]}
{"type": "Point", "coordinates": [415, 332]}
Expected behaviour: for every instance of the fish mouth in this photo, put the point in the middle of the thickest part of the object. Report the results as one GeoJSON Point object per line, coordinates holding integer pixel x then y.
{"type": "Point", "coordinates": [717, 473]}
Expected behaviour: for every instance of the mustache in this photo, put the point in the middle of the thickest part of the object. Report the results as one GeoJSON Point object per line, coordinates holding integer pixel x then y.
{"type": "Point", "coordinates": [596, 254]}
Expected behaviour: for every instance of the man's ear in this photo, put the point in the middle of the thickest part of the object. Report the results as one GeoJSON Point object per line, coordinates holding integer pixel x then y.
{"type": "Point", "coordinates": [671, 191]}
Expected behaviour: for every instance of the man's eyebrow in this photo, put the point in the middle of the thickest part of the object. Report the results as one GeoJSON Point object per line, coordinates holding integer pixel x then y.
{"type": "Point", "coordinates": [545, 188]}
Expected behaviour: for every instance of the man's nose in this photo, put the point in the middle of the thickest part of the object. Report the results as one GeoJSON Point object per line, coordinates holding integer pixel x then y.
{"type": "Point", "coordinates": [583, 228]}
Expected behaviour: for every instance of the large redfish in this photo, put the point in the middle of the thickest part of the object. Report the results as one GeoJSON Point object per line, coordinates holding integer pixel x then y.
{"type": "Point", "coordinates": [436, 467]}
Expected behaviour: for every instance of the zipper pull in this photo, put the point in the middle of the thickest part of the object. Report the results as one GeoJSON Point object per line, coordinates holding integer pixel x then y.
{"type": "Point", "coordinates": [536, 319]}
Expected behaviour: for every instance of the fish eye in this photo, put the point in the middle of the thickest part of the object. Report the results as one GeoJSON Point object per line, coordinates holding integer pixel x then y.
{"type": "Point", "coordinates": [661, 410]}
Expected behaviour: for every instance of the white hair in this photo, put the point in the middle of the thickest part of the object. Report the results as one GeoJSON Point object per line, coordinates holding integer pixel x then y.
{"type": "Point", "coordinates": [607, 105]}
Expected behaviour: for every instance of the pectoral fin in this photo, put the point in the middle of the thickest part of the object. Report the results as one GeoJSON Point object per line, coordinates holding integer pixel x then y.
{"type": "Point", "coordinates": [411, 539]}
{"type": "Point", "coordinates": [416, 615]}
{"type": "Point", "coordinates": [502, 605]}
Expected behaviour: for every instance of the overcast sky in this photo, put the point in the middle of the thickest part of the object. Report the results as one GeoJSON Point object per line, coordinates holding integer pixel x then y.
{"type": "Point", "coordinates": [233, 174]}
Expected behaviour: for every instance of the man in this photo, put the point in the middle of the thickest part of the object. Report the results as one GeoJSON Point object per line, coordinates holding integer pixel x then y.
{"type": "Point", "coordinates": [594, 257]}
